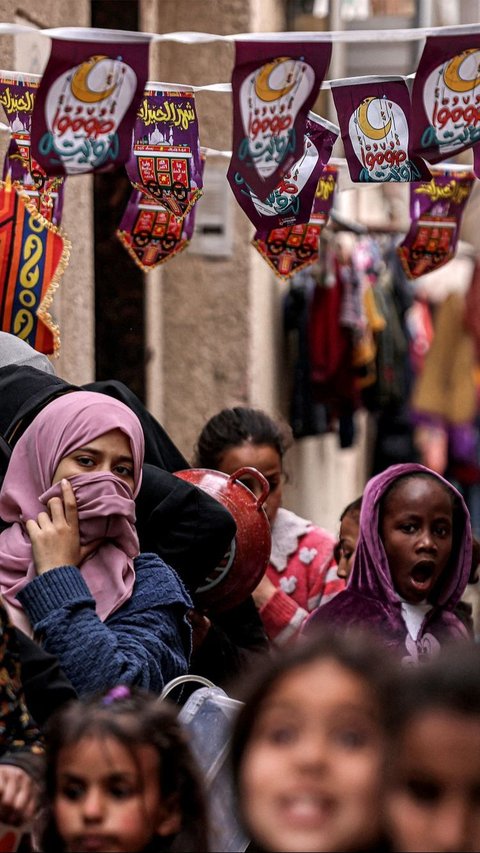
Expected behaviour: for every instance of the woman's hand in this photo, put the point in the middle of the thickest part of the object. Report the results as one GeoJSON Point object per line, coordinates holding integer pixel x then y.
{"type": "Point", "coordinates": [55, 535]}
{"type": "Point", "coordinates": [18, 795]}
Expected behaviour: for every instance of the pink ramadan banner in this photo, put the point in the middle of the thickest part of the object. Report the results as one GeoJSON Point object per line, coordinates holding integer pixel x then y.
{"type": "Point", "coordinates": [292, 199]}
{"type": "Point", "coordinates": [86, 103]}
{"type": "Point", "coordinates": [274, 85]}
{"type": "Point", "coordinates": [165, 163]}
{"type": "Point", "coordinates": [446, 97]}
{"type": "Point", "coordinates": [374, 116]}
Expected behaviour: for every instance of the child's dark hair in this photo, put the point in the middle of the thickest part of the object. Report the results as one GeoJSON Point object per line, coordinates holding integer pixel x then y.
{"type": "Point", "coordinates": [355, 650]}
{"type": "Point", "coordinates": [232, 427]}
{"type": "Point", "coordinates": [132, 719]}
{"type": "Point", "coordinates": [449, 682]}
{"type": "Point", "coordinates": [353, 508]}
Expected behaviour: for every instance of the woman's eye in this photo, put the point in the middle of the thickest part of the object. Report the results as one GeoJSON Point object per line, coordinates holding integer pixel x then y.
{"type": "Point", "coordinates": [273, 483]}
{"type": "Point", "coordinates": [86, 461]}
{"type": "Point", "coordinates": [123, 471]}
{"type": "Point", "coordinates": [423, 791]}
{"type": "Point", "coordinates": [408, 528]}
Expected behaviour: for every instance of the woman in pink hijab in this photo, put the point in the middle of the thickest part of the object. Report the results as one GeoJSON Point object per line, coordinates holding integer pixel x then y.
{"type": "Point", "coordinates": [71, 573]}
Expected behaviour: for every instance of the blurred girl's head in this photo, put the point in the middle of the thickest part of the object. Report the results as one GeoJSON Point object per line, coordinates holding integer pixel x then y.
{"type": "Point", "coordinates": [433, 766]}
{"type": "Point", "coordinates": [240, 437]}
{"type": "Point", "coordinates": [308, 744]}
{"type": "Point", "coordinates": [121, 776]}
{"type": "Point", "coordinates": [347, 538]}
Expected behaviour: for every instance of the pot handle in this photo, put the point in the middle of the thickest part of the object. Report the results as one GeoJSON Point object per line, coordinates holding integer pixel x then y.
{"type": "Point", "coordinates": [252, 472]}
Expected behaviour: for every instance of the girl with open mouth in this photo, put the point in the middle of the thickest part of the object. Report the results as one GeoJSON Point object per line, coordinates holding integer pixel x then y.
{"type": "Point", "coordinates": [412, 563]}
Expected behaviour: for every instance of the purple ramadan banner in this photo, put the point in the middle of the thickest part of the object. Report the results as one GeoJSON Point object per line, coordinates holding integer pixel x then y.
{"type": "Point", "coordinates": [17, 98]}
{"type": "Point", "coordinates": [446, 97]}
{"type": "Point", "coordinates": [165, 162]}
{"type": "Point", "coordinates": [86, 104]}
{"type": "Point", "coordinates": [436, 210]}
{"type": "Point", "coordinates": [292, 199]}
{"type": "Point", "coordinates": [374, 116]}
{"type": "Point", "coordinates": [150, 233]}
{"type": "Point", "coordinates": [288, 250]}
{"type": "Point", "coordinates": [274, 85]}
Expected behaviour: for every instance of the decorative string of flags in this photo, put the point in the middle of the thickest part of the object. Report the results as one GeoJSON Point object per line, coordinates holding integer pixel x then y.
{"type": "Point", "coordinates": [94, 109]}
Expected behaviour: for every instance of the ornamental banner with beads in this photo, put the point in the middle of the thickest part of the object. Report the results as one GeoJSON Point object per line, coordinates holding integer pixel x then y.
{"type": "Point", "coordinates": [436, 210]}
{"type": "Point", "coordinates": [288, 250]}
{"type": "Point", "coordinates": [291, 201]}
{"type": "Point", "coordinates": [274, 85]}
{"type": "Point", "coordinates": [446, 97]}
{"type": "Point", "coordinates": [33, 256]}
{"type": "Point", "coordinates": [165, 162]}
{"type": "Point", "coordinates": [86, 103]}
{"type": "Point", "coordinates": [374, 116]}
{"type": "Point", "coordinates": [17, 98]}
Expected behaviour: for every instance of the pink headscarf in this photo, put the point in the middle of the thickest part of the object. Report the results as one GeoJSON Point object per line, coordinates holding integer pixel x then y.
{"type": "Point", "coordinates": [105, 504]}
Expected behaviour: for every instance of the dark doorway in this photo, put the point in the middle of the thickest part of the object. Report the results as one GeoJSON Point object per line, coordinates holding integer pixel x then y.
{"type": "Point", "coordinates": [119, 301]}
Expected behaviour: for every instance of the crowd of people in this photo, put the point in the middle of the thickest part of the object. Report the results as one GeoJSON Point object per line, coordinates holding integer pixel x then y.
{"type": "Point", "coordinates": [353, 662]}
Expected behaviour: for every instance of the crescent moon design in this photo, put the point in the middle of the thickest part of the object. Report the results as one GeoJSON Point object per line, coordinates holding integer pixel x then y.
{"type": "Point", "coordinates": [364, 124]}
{"type": "Point", "coordinates": [451, 74]}
{"type": "Point", "coordinates": [262, 82]}
{"type": "Point", "coordinates": [79, 83]}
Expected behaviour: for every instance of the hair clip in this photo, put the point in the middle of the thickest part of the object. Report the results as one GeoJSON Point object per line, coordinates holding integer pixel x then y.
{"type": "Point", "coordinates": [116, 693]}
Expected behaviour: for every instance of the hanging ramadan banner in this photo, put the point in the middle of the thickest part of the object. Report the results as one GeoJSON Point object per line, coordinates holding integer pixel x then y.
{"type": "Point", "coordinates": [33, 256]}
{"type": "Point", "coordinates": [288, 250]}
{"type": "Point", "coordinates": [86, 103]}
{"type": "Point", "coordinates": [292, 199]}
{"type": "Point", "coordinates": [446, 97]}
{"type": "Point", "coordinates": [374, 116]}
{"type": "Point", "coordinates": [165, 160]}
{"type": "Point", "coordinates": [436, 210]}
{"type": "Point", "coordinates": [152, 234]}
{"type": "Point", "coordinates": [17, 98]}
{"type": "Point", "coordinates": [274, 85]}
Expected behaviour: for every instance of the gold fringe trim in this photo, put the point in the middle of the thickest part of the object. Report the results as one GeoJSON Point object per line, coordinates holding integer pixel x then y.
{"type": "Point", "coordinates": [42, 311]}
{"type": "Point", "coordinates": [146, 269]}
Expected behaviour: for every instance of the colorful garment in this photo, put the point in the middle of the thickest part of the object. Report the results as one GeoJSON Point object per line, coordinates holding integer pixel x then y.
{"type": "Point", "coordinates": [303, 570]}
{"type": "Point", "coordinates": [370, 599]}
{"type": "Point", "coordinates": [20, 741]}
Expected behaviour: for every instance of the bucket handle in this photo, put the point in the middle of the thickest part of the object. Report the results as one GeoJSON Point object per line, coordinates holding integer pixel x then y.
{"type": "Point", "coordinates": [257, 475]}
{"type": "Point", "coordinates": [182, 679]}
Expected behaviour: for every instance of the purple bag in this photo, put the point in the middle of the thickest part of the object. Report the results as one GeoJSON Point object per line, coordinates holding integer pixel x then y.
{"type": "Point", "coordinates": [374, 116]}
{"type": "Point", "coordinates": [292, 199]}
{"type": "Point", "coordinates": [274, 85]}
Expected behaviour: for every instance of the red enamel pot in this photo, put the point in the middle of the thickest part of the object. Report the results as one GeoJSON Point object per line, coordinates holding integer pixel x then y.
{"type": "Point", "coordinates": [245, 562]}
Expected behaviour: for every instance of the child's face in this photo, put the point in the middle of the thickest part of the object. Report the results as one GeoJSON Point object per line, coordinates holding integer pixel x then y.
{"type": "Point", "coordinates": [309, 779]}
{"type": "Point", "coordinates": [433, 801]}
{"type": "Point", "coordinates": [109, 452]}
{"type": "Point", "coordinates": [108, 800]}
{"type": "Point", "coordinates": [416, 532]}
{"type": "Point", "coordinates": [347, 542]}
{"type": "Point", "coordinates": [265, 459]}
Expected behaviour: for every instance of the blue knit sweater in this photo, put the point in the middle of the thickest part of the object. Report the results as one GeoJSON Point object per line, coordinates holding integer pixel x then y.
{"type": "Point", "coordinates": [146, 642]}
